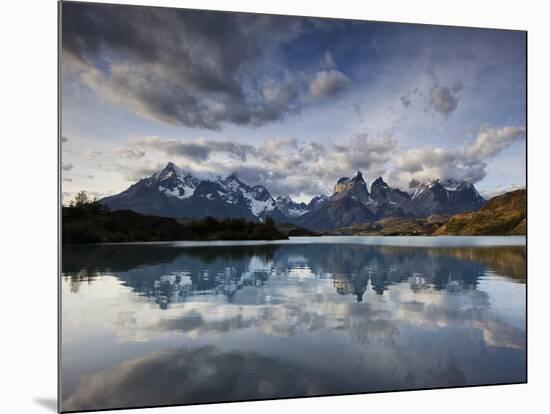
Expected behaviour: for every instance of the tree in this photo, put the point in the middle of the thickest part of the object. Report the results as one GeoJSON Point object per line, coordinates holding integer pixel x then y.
{"type": "Point", "coordinates": [81, 199]}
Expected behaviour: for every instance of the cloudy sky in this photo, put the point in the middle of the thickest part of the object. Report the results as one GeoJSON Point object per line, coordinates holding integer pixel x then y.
{"type": "Point", "coordinates": [291, 103]}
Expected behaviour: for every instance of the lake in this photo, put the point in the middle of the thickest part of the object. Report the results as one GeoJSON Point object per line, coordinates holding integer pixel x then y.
{"type": "Point", "coordinates": [180, 323]}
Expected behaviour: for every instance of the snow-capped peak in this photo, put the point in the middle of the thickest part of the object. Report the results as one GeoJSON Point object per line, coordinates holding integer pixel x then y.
{"type": "Point", "coordinates": [433, 183]}
{"type": "Point", "coordinates": [452, 185]}
{"type": "Point", "coordinates": [318, 200]}
{"type": "Point", "coordinates": [232, 184]}
{"type": "Point", "coordinates": [174, 182]}
{"type": "Point", "coordinates": [258, 198]}
{"type": "Point", "coordinates": [451, 188]}
{"type": "Point", "coordinates": [416, 188]}
{"type": "Point", "coordinates": [171, 170]}
{"type": "Point", "coordinates": [290, 208]}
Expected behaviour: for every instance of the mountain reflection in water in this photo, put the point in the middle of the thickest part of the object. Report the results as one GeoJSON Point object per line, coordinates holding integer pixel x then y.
{"type": "Point", "coordinates": [172, 274]}
{"type": "Point", "coordinates": [154, 324]}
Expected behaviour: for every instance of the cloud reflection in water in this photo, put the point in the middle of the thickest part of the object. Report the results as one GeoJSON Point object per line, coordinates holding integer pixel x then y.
{"type": "Point", "coordinates": [235, 323]}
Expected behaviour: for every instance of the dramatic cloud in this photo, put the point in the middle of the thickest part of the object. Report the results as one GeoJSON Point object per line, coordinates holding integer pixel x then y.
{"type": "Point", "coordinates": [445, 99]}
{"type": "Point", "coordinates": [468, 163]}
{"type": "Point", "coordinates": [284, 165]}
{"type": "Point", "coordinates": [184, 67]}
{"type": "Point", "coordinates": [135, 173]}
{"type": "Point", "coordinates": [430, 163]}
{"type": "Point", "coordinates": [304, 169]}
{"type": "Point", "coordinates": [490, 141]}
{"type": "Point", "coordinates": [309, 84]}
{"type": "Point", "coordinates": [328, 83]}
{"type": "Point", "coordinates": [416, 160]}
{"type": "Point", "coordinates": [197, 150]}
{"type": "Point", "coordinates": [361, 152]}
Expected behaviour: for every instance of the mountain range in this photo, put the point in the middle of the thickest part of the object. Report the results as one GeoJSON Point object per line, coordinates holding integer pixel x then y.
{"type": "Point", "coordinates": [174, 192]}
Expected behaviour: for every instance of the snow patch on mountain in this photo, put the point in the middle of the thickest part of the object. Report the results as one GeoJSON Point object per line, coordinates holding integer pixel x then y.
{"type": "Point", "coordinates": [180, 191]}
{"type": "Point", "coordinates": [296, 212]}
{"type": "Point", "coordinates": [420, 188]}
{"type": "Point", "coordinates": [259, 207]}
{"type": "Point", "coordinates": [258, 198]}
{"type": "Point", "coordinates": [453, 185]}
{"type": "Point", "coordinates": [290, 208]}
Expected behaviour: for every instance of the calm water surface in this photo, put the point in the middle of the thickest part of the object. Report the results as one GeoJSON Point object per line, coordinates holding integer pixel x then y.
{"type": "Point", "coordinates": [179, 323]}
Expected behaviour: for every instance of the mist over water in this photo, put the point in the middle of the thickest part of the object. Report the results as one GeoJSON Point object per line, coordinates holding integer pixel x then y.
{"type": "Point", "coordinates": [179, 323]}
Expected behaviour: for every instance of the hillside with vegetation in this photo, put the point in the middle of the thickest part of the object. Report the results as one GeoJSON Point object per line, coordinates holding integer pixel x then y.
{"type": "Point", "coordinates": [502, 215]}
{"type": "Point", "coordinates": [393, 226]}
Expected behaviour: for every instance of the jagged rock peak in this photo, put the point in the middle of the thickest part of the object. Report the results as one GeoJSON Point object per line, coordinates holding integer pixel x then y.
{"type": "Point", "coordinates": [318, 201]}
{"type": "Point", "coordinates": [355, 188]}
{"type": "Point", "coordinates": [261, 191]}
{"type": "Point", "coordinates": [415, 183]}
{"type": "Point", "coordinates": [357, 177]}
{"type": "Point", "coordinates": [172, 170]}
{"type": "Point", "coordinates": [380, 182]}
{"type": "Point", "coordinates": [289, 207]}
{"type": "Point", "coordinates": [170, 167]}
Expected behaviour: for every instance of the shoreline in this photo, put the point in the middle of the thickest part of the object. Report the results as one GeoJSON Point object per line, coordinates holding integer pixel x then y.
{"type": "Point", "coordinates": [390, 241]}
